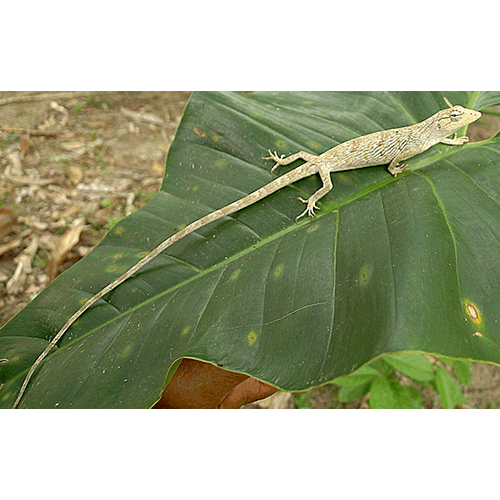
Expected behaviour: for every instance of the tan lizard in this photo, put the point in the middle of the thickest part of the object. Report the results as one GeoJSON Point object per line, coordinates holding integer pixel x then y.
{"type": "Point", "coordinates": [387, 146]}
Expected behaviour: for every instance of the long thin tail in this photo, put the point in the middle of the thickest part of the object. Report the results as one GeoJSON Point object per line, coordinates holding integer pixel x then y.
{"type": "Point", "coordinates": [300, 172]}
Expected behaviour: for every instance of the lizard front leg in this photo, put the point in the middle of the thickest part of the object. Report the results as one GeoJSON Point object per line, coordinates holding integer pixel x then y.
{"type": "Point", "coordinates": [396, 169]}
{"type": "Point", "coordinates": [456, 141]}
{"type": "Point", "coordinates": [311, 202]}
{"type": "Point", "coordinates": [282, 160]}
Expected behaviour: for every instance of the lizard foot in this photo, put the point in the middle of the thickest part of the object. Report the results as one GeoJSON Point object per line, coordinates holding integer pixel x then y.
{"type": "Point", "coordinates": [462, 140]}
{"type": "Point", "coordinates": [398, 170]}
{"type": "Point", "coordinates": [311, 207]}
{"type": "Point", "coordinates": [274, 156]}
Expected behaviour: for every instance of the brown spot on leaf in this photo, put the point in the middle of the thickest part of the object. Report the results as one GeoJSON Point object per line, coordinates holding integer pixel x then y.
{"type": "Point", "coordinates": [199, 132]}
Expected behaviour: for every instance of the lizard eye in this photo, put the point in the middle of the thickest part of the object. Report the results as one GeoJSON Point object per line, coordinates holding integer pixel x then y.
{"type": "Point", "coordinates": [455, 115]}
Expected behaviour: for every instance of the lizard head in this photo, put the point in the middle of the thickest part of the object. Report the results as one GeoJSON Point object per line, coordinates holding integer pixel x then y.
{"type": "Point", "coordinates": [455, 117]}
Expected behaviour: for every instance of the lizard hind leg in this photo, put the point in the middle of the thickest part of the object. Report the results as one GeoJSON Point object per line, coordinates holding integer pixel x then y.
{"type": "Point", "coordinates": [311, 202]}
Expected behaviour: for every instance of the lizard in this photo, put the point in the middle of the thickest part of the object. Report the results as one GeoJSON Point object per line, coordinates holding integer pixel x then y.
{"type": "Point", "coordinates": [378, 148]}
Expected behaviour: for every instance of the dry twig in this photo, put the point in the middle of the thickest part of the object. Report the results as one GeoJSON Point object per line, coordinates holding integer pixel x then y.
{"type": "Point", "coordinates": [29, 180]}
{"type": "Point", "coordinates": [20, 130]}
{"type": "Point", "coordinates": [54, 96]}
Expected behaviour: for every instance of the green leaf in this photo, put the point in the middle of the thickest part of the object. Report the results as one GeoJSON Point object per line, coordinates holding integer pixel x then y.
{"type": "Point", "coordinates": [351, 393]}
{"type": "Point", "coordinates": [408, 397]}
{"type": "Point", "coordinates": [413, 365]}
{"type": "Point", "coordinates": [462, 369]}
{"type": "Point", "coordinates": [382, 395]}
{"type": "Point", "coordinates": [303, 401]}
{"type": "Point", "coordinates": [359, 377]}
{"type": "Point", "coordinates": [450, 392]}
{"type": "Point", "coordinates": [482, 100]}
{"type": "Point", "coordinates": [388, 265]}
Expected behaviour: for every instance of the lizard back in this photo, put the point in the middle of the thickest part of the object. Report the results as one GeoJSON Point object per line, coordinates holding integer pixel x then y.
{"type": "Point", "coordinates": [377, 148]}
{"type": "Point", "coordinates": [383, 147]}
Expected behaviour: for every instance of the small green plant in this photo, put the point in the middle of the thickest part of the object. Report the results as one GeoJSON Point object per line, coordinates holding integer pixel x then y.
{"type": "Point", "coordinates": [142, 197]}
{"type": "Point", "coordinates": [9, 138]}
{"type": "Point", "coordinates": [41, 259]}
{"type": "Point", "coordinates": [94, 101]}
{"type": "Point", "coordinates": [303, 401]}
{"type": "Point", "coordinates": [382, 380]}
{"type": "Point", "coordinates": [111, 222]}
{"type": "Point", "coordinates": [98, 155]}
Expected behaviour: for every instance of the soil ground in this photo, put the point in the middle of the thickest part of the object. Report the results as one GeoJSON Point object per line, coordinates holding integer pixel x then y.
{"type": "Point", "coordinates": [71, 164]}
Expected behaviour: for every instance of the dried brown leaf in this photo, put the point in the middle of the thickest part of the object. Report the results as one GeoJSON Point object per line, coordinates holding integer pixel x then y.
{"type": "Point", "coordinates": [66, 242]}
{"type": "Point", "coordinates": [16, 283]}
{"type": "Point", "coordinates": [29, 180]}
{"type": "Point", "coordinates": [74, 174]}
{"type": "Point", "coordinates": [10, 245]}
{"type": "Point", "coordinates": [8, 220]}
{"type": "Point", "coordinates": [142, 117]}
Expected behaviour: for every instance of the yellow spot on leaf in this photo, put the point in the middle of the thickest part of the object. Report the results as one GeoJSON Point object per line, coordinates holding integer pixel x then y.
{"type": "Point", "coordinates": [278, 270]}
{"type": "Point", "coordinates": [119, 230]}
{"type": "Point", "coordinates": [186, 330]}
{"type": "Point", "coordinates": [235, 274]}
{"type": "Point", "coordinates": [220, 163]}
{"type": "Point", "coordinates": [343, 178]}
{"type": "Point", "coordinates": [365, 275]}
{"type": "Point", "coordinates": [252, 337]}
{"type": "Point", "coordinates": [141, 254]}
{"type": "Point", "coordinates": [216, 138]}
{"type": "Point", "coordinates": [281, 144]}
{"type": "Point", "coordinates": [117, 256]}
{"type": "Point", "coordinates": [312, 228]}
{"type": "Point", "coordinates": [126, 352]}
{"type": "Point", "coordinates": [473, 312]}
{"type": "Point", "coordinates": [116, 269]}
{"type": "Point", "coordinates": [199, 132]}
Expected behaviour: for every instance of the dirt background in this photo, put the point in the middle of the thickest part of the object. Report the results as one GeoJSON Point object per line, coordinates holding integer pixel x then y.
{"type": "Point", "coordinates": [73, 163]}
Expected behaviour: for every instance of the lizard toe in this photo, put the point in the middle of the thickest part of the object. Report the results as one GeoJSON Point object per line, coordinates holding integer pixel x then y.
{"type": "Point", "coordinates": [301, 215]}
{"type": "Point", "coordinates": [311, 207]}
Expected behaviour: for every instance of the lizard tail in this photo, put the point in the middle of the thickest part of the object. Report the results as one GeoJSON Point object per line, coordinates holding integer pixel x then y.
{"type": "Point", "coordinates": [298, 173]}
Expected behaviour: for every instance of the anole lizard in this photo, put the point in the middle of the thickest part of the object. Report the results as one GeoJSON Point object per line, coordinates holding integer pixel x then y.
{"type": "Point", "coordinates": [379, 148]}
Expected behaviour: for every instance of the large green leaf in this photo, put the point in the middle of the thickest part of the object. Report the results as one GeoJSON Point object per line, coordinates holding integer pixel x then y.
{"type": "Point", "coordinates": [390, 264]}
